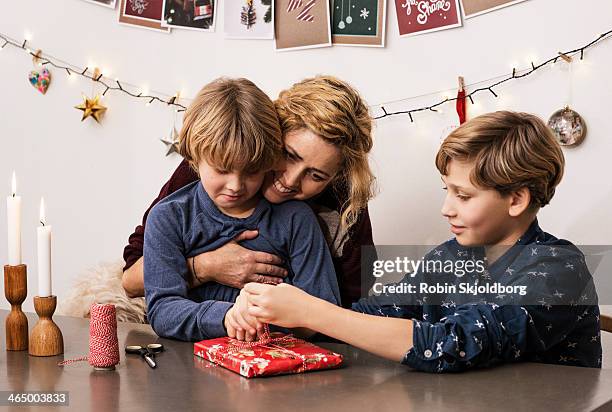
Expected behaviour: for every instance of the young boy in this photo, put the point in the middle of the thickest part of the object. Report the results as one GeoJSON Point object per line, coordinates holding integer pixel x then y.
{"type": "Point", "coordinates": [231, 136]}
{"type": "Point", "coordinates": [499, 169]}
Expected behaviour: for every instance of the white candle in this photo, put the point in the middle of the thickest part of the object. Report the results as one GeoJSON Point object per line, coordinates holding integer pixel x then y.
{"type": "Point", "coordinates": [13, 207]}
{"type": "Point", "coordinates": [44, 254]}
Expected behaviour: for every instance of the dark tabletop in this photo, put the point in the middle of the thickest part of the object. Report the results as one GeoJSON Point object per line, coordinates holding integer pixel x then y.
{"type": "Point", "coordinates": [183, 381]}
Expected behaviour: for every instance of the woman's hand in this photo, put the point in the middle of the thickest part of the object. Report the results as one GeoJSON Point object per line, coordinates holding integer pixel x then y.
{"type": "Point", "coordinates": [239, 324]}
{"type": "Point", "coordinates": [233, 265]}
{"type": "Point", "coordinates": [281, 305]}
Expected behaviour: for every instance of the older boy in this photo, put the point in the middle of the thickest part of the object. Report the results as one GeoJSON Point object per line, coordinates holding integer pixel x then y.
{"type": "Point", "coordinates": [231, 136]}
{"type": "Point", "coordinates": [499, 169]}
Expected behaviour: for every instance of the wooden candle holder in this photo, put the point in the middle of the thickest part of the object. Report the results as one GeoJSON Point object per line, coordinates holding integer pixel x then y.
{"type": "Point", "coordinates": [46, 338]}
{"type": "Point", "coordinates": [16, 290]}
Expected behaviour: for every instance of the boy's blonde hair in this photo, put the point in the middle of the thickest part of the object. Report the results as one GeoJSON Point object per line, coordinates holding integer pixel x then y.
{"type": "Point", "coordinates": [232, 125]}
{"type": "Point", "coordinates": [335, 111]}
{"type": "Point", "coordinates": [510, 151]}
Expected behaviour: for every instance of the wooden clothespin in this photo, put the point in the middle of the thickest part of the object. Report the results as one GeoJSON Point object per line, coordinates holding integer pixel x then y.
{"type": "Point", "coordinates": [565, 57]}
{"type": "Point", "coordinates": [96, 74]}
{"type": "Point", "coordinates": [36, 57]}
{"type": "Point", "coordinates": [461, 81]}
{"type": "Point", "coordinates": [174, 98]}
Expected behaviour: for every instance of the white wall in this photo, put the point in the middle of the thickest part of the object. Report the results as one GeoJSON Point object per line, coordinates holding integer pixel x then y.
{"type": "Point", "coordinates": [97, 180]}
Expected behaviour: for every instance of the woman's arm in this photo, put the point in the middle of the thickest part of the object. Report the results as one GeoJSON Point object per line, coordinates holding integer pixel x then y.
{"type": "Point", "coordinates": [133, 279]}
{"type": "Point", "coordinates": [290, 307]}
{"type": "Point", "coordinates": [182, 176]}
{"type": "Point", "coordinates": [231, 265]}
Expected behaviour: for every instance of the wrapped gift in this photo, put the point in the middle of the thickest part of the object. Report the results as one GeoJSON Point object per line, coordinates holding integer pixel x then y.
{"type": "Point", "coordinates": [274, 354]}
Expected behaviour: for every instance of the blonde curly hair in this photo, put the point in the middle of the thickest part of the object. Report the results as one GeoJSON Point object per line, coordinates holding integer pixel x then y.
{"type": "Point", "coordinates": [336, 112]}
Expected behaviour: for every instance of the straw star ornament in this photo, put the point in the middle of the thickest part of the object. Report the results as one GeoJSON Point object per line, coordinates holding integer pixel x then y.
{"type": "Point", "coordinates": [91, 107]}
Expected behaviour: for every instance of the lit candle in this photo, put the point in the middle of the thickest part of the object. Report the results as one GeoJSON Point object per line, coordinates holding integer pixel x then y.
{"type": "Point", "coordinates": [44, 254]}
{"type": "Point", "coordinates": [13, 207]}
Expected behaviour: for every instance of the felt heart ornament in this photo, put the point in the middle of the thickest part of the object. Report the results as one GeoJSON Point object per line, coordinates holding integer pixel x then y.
{"type": "Point", "coordinates": [40, 80]}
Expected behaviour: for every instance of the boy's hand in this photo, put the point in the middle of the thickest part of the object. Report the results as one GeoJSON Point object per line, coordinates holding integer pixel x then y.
{"type": "Point", "coordinates": [282, 305]}
{"type": "Point", "coordinates": [239, 324]}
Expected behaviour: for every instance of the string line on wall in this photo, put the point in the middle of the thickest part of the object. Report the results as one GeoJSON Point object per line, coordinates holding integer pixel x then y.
{"type": "Point", "coordinates": [91, 73]}
{"type": "Point", "coordinates": [516, 74]}
{"type": "Point", "coordinates": [115, 85]}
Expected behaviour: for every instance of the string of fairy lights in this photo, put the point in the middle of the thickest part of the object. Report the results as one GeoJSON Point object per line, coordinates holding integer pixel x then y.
{"type": "Point", "coordinates": [91, 73]}
{"type": "Point", "coordinates": [567, 56]}
{"type": "Point", "coordinates": [114, 85]}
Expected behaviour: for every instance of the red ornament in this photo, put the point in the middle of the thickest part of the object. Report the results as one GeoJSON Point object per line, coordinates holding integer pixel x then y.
{"type": "Point", "coordinates": [461, 106]}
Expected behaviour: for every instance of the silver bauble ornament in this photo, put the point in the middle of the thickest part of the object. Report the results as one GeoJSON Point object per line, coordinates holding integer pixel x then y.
{"type": "Point", "coordinates": [568, 126]}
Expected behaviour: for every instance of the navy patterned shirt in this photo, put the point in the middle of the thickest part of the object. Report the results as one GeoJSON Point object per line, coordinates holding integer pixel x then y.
{"type": "Point", "coordinates": [453, 335]}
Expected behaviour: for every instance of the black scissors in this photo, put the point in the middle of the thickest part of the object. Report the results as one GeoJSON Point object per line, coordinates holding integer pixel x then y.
{"type": "Point", "coordinates": [146, 352]}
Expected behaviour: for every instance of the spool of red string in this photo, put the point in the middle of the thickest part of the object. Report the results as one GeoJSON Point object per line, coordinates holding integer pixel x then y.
{"type": "Point", "coordinates": [103, 342]}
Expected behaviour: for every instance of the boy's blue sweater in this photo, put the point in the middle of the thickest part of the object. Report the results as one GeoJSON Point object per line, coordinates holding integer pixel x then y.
{"type": "Point", "coordinates": [188, 223]}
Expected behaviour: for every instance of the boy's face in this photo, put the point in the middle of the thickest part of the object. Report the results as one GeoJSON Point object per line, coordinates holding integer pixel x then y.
{"type": "Point", "coordinates": [478, 217]}
{"type": "Point", "coordinates": [233, 192]}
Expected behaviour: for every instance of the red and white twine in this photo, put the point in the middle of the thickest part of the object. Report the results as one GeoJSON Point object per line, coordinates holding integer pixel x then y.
{"type": "Point", "coordinates": [265, 341]}
{"type": "Point", "coordinates": [103, 342]}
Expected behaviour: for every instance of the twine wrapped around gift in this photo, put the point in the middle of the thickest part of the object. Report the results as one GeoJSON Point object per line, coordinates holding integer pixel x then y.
{"type": "Point", "coordinates": [265, 341]}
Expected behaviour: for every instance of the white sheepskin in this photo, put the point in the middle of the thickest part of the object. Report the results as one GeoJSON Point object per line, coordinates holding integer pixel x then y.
{"type": "Point", "coordinates": [102, 284]}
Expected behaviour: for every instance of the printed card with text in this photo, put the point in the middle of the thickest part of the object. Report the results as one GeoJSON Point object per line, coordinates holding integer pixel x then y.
{"type": "Point", "coordinates": [146, 14]}
{"type": "Point", "coordinates": [424, 16]}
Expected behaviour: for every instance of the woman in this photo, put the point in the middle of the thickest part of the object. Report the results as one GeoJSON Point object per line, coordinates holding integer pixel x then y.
{"type": "Point", "coordinates": [327, 135]}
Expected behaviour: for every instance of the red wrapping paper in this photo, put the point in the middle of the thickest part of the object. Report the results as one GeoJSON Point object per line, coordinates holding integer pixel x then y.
{"type": "Point", "coordinates": [284, 354]}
